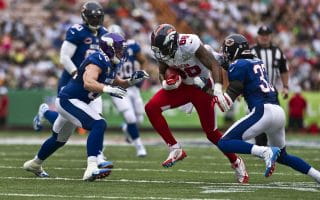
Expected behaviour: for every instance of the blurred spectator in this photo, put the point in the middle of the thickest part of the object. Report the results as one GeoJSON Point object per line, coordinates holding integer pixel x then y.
{"type": "Point", "coordinates": [297, 108]}
{"type": "Point", "coordinates": [31, 34]}
{"type": "Point", "coordinates": [28, 27]}
{"type": "Point", "coordinates": [4, 104]}
{"type": "Point", "coordinates": [296, 26]}
{"type": "Point", "coordinates": [313, 128]}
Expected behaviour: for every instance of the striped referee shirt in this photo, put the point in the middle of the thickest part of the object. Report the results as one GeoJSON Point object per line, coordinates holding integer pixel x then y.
{"type": "Point", "coordinates": [274, 60]}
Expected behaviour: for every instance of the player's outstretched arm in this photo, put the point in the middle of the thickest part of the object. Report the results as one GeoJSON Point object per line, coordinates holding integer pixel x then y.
{"type": "Point", "coordinates": [234, 89]}
{"type": "Point", "coordinates": [91, 84]}
{"type": "Point", "coordinates": [135, 78]}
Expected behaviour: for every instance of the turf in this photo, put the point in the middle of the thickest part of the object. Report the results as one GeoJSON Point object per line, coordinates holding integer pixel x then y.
{"type": "Point", "coordinates": [204, 174]}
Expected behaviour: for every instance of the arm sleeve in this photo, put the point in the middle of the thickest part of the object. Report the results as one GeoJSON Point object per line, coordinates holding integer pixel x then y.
{"type": "Point", "coordinates": [66, 52]}
{"type": "Point", "coordinates": [234, 89]}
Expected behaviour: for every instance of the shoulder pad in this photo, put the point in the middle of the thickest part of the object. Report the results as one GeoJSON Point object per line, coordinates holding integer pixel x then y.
{"type": "Point", "coordinates": [76, 28]}
{"type": "Point", "coordinates": [189, 43]}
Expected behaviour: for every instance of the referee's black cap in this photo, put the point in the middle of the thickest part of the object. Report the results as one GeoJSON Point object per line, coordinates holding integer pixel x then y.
{"type": "Point", "coordinates": [264, 30]}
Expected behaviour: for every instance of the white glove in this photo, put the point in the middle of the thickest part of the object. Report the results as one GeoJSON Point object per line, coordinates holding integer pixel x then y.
{"type": "Point", "coordinates": [166, 86]}
{"type": "Point", "coordinates": [200, 82]}
{"type": "Point", "coordinates": [222, 99]}
{"type": "Point", "coordinates": [138, 76]}
{"type": "Point", "coordinates": [115, 91]}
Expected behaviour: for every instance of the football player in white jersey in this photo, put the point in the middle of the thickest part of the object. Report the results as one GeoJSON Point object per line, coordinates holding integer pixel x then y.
{"type": "Point", "coordinates": [131, 106]}
{"type": "Point", "coordinates": [186, 53]}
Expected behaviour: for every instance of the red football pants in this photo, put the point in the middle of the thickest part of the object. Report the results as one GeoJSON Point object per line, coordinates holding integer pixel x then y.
{"type": "Point", "coordinates": [168, 99]}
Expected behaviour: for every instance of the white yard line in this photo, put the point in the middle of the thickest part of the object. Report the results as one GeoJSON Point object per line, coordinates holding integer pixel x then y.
{"type": "Point", "coordinates": [199, 142]}
{"type": "Point", "coordinates": [206, 187]}
{"type": "Point", "coordinates": [97, 197]}
{"type": "Point", "coordinates": [160, 170]}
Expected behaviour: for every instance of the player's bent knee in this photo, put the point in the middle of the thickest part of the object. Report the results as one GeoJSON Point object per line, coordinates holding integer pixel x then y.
{"type": "Point", "coordinates": [150, 108]}
{"type": "Point", "coordinates": [100, 124]}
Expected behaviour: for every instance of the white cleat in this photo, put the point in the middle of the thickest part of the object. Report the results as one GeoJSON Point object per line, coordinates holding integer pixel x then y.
{"type": "Point", "coordinates": [174, 156]}
{"type": "Point", "coordinates": [141, 151]}
{"type": "Point", "coordinates": [93, 173]}
{"type": "Point", "coordinates": [270, 157]}
{"type": "Point", "coordinates": [39, 118]}
{"type": "Point", "coordinates": [240, 171]}
{"type": "Point", "coordinates": [32, 166]}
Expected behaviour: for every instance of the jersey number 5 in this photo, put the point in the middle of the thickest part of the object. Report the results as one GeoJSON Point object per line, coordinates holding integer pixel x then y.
{"type": "Point", "coordinates": [265, 85]}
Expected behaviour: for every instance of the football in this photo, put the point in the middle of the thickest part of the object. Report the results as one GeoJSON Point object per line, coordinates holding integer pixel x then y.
{"type": "Point", "coordinates": [172, 76]}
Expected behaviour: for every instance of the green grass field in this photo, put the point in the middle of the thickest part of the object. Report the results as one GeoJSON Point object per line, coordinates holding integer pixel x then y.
{"type": "Point", "coordinates": [204, 174]}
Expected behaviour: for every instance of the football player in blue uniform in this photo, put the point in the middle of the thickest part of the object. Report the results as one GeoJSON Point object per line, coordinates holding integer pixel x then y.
{"type": "Point", "coordinates": [81, 40]}
{"type": "Point", "coordinates": [131, 106]}
{"type": "Point", "coordinates": [247, 76]}
{"type": "Point", "coordinates": [96, 75]}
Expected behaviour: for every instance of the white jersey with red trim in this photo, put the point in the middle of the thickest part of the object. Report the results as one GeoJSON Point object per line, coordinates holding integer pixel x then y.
{"type": "Point", "coordinates": [186, 61]}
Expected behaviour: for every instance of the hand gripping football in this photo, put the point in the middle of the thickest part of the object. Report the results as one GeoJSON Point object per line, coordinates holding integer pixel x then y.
{"type": "Point", "coordinates": [172, 79]}
{"type": "Point", "coordinates": [172, 76]}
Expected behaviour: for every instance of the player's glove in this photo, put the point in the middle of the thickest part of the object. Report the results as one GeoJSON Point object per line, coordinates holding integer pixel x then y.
{"type": "Point", "coordinates": [200, 82]}
{"type": "Point", "coordinates": [222, 99]}
{"type": "Point", "coordinates": [116, 91]}
{"type": "Point", "coordinates": [138, 76]}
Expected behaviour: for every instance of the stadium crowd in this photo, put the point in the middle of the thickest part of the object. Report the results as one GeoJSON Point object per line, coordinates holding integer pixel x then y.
{"type": "Point", "coordinates": [31, 32]}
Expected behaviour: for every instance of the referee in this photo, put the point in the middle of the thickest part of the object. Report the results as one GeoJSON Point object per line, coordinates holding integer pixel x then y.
{"type": "Point", "coordinates": [275, 63]}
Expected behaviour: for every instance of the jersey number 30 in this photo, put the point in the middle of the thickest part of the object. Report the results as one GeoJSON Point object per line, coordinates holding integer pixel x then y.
{"type": "Point", "coordinates": [264, 84]}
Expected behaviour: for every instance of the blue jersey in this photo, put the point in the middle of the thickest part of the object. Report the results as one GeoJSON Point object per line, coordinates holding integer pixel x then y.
{"type": "Point", "coordinates": [130, 65]}
{"type": "Point", "coordinates": [86, 41]}
{"type": "Point", "coordinates": [252, 73]}
{"type": "Point", "coordinates": [75, 88]}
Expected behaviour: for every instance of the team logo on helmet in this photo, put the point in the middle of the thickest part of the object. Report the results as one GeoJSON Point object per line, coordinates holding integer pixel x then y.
{"type": "Point", "coordinates": [229, 42]}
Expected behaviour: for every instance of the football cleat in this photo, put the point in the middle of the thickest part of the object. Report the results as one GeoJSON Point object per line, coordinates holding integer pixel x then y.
{"type": "Point", "coordinates": [32, 166]}
{"type": "Point", "coordinates": [105, 165]}
{"type": "Point", "coordinates": [240, 171]}
{"type": "Point", "coordinates": [92, 174]}
{"type": "Point", "coordinates": [270, 157]}
{"type": "Point", "coordinates": [39, 118]}
{"type": "Point", "coordinates": [141, 151]}
{"type": "Point", "coordinates": [174, 156]}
